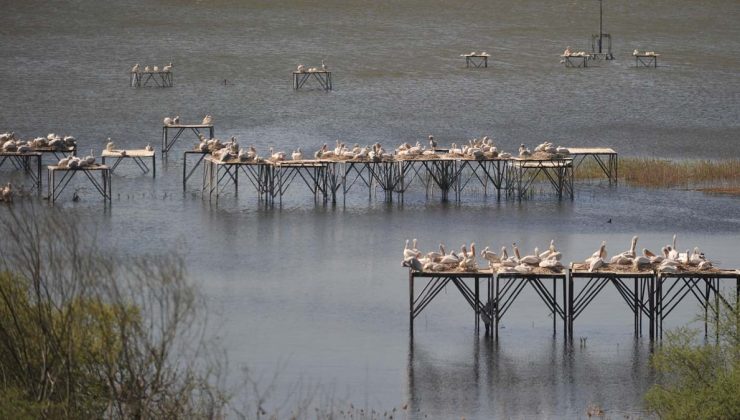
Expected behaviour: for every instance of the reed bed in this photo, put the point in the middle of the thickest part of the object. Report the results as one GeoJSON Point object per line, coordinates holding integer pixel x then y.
{"type": "Point", "coordinates": [654, 172]}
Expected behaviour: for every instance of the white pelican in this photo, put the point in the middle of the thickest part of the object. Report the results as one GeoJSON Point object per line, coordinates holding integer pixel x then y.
{"type": "Point", "coordinates": [523, 151]}
{"type": "Point", "coordinates": [207, 120]}
{"type": "Point", "coordinates": [301, 68]}
{"type": "Point", "coordinates": [414, 264]}
{"type": "Point", "coordinates": [323, 66]}
{"type": "Point", "coordinates": [297, 155]}
{"type": "Point", "coordinates": [156, 69]}
{"type": "Point", "coordinates": [149, 148]}
{"type": "Point", "coordinates": [167, 121]}
{"type": "Point", "coordinates": [147, 69]}
{"type": "Point", "coordinates": [490, 256]}
{"type": "Point", "coordinates": [167, 68]}
{"type": "Point", "coordinates": [516, 252]}
{"type": "Point", "coordinates": [408, 252]}
{"type": "Point", "coordinates": [176, 120]}
{"type": "Point", "coordinates": [110, 145]}
{"type": "Point", "coordinates": [136, 68]}
{"type": "Point", "coordinates": [531, 259]}
{"type": "Point", "coordinates": [7, 193]}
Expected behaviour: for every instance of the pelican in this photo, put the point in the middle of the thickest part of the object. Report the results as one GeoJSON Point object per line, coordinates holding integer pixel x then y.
{"type": "Point", "coordinates": [301, 68]}
{"type": "Point", "coordinates": [147, 69]}
{"type": "Point", "coordinates": [323, 66]}
{"type": "Point", "coordinates": [600, 253]}
{"type": "Point", "coordinates": [207, 120]}
{"type": "Point", "coordinates": [167, 68]}
{"type": "Point", "coordinates": [408, 252]}
{"type": "Point", "coordinates": [110, 145]}
{"type": "Point", "coordinates": [653, 258]}
{"type": "Point", "coordinates": [413, 263]}
{"type": "Point", "coordinates": [156, 69]}
{"type": "Point", "coordinates": [176, 120]}
{"type": "Point", "coordinates": [7, 193]}
{"type": "Point", "coordinates": [252, 153]}
{"type": "Point", "coordinates": [523, 269]}
{"type": "Point", "coordinates": [635, 52]}
{"type": "Point", "coordinates": [149, 148]}
{"type": "Point", "coordinates": [551, 263]}
{"type": "Point", "coordinates": [531, 259]}
{"type": "Point", "coordinates": [490, 256]}
{"type": "Point", "coordinates": [523, 151]}
{"type": "Point", "coordinates": [136, 68]}
{"type": "Point", "coordinates": [167, 121]}
{"type": "Point", "coordinates": [516, 252]}
{"type": "Point", "coordinates": [297, 155]}
{"type": "Point", "coordinates": [436, 256]}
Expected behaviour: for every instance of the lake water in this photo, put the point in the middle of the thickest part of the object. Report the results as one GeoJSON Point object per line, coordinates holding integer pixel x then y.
{"type": "Point", "coordinates": [318, 289]}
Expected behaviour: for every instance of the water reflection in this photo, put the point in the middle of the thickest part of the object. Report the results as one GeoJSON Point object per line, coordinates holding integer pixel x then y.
{"type": "Point", "coordinates": [480, 378]}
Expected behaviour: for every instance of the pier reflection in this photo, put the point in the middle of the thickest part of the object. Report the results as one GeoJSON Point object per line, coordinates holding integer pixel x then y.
{"type": "Point", "coordinates": [478, 378]}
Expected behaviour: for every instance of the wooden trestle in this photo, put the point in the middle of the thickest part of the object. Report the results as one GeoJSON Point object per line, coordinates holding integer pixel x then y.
{"type": "Point", "coordinates": [151, 79]}
{"type": "Point", "coordinates": [647, 294]}
{"type": "Point", "coordinates": [29, 163]}
{"type": "Point", "coordinates": [323, 78]}
{"type": "Point", "coordinates": [606, 158]}
{"type": "Point", "coordinates": [168, 142]}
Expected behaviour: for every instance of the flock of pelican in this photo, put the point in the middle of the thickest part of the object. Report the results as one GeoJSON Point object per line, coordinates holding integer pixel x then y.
{"type": "Point", "coordinates": [648, 53]}
{"type": "Point", "coordinates": [668, 261]}
{"type": "Point", "coordinates": [170, 121]}
{"type": "Point", "coordinates": [151, 69]}
{"type": "Point", "coordinates": [9, 142]}
{"type": "Point", "coordinates": [477, 148]}
{"type": "Point", "coordinates": [303, 69]}
{"type": "Point", "coordinates": [440, 260]}
{"type": "Point", "coordinates": [75, 162]}
{"type": "Point", "coordinates": [466, 261]}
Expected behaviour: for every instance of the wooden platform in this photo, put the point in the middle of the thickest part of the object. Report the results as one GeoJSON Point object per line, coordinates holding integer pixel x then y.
{"type": "Point", "coordinates": [646, 60]}
{"type": "Point", "coordinates": [137, 155]}
{"type": "Point", "coordinates": [576, 61]}
{"type": "Point", "coordinates": [606, 158]}
{"type": "Point", "coordinates": [647, 294]}
{"type": "Point", "coordinates": [476, 61]}
{"type": "Point", "coordinates": [322, 77]}
{"type": "Point", "coordinates": [104, 186]}
{"type": "Point", "coordinates": [168, 142]}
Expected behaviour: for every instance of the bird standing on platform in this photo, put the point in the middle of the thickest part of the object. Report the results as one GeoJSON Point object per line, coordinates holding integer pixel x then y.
{"type": "Point", "coordinates": [167, 68]}
{"type": "Point", "coordinates": [110, 145]}
{"type": "Point", "coordinates": [176, 120]}
{"type": "Point", "coordinates": [297, 155]}
{"type": "Point", "coordinates": [136, 68]}
{"type": "Point", "coordinates": [432, 143]}
{"type": "Point", "coordinates": [167, 121]}
{"type": "Point", "coordinates": [7, 193]}
{"type": "Point", "coordinates": [149, 148]}
{"type": "Point", "coordinates": [207, 120]}
{"type": "Point", "coordinates": [301, 68]}
{"type": "Point", "coordinates": [323, 66]}
{"type": "Point", "coordinates": [524, 151]}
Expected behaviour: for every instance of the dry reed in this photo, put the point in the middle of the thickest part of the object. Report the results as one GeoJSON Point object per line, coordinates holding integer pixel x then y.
{"type": "Point", "coordinates": [653, 172]}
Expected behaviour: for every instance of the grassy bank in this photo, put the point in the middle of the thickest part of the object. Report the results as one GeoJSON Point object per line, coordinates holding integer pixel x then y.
{"type": "Point", "coordinates": [720, 176]}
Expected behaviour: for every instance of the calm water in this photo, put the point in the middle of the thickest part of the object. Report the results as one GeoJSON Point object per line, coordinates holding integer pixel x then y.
{"type": "Point", "coordinates": [319, 289]}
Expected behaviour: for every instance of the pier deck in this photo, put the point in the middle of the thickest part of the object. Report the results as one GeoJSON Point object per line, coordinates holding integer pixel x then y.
{"type": "Point", "coordinates": [29, 163]}
{"type": "Point", "coordinates": [605, 157]}
{"type": "Point", "coordinates": [137, 155]}
{"type": "Point", "coordinates": [323, 78]}
{"type": "Point", "coordinates": [56, 188]}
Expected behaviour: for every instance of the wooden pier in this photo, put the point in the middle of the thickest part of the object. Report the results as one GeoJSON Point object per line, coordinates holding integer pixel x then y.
{"type": "Point", "coordinates": [451, 176]}
{"type": "Point", "coordinates": [29, 163]}
{"type": "Point", "coordinates": [187, 174]}
{"type": "Point", "coordinates": [606, 158]}
{"type": "Point", "coordinates": [524, 172]}
{"type": "Point", "coordinates": [151, 79]}
{"type": "Point", "coordinates": [56, 187]}
{"type": "Point", "coordinates": [649, 296]}
{"type": "Point", "coordinates": [646, 60]}
{"type": "Point", "coordinates": [137, 155]}
{"type": "Point", "coordinates": [168, 142]}
{"type": "Point", "coordinates": [322, 77]}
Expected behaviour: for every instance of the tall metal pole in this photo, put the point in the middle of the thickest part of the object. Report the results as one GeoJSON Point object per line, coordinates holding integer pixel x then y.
{"type": "Point", "coordinates": [601, 31]}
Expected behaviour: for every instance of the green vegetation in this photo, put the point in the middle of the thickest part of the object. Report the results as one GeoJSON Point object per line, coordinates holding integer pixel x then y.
{"type": "Point", "coordinates": [652, 172]}
{"type": "Point", "coordinates": [85, 335]}
{"type": "Point", "coordinates": [699, 381]}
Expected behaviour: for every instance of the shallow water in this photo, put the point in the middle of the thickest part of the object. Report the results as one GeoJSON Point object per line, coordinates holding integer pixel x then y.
{"type": "Point", "coordinates": [319, 288]}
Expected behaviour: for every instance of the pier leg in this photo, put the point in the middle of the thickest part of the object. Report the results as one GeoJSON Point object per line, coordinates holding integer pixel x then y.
{"type": "Point", "coordinates": [566, 333]}
{"type": "Point", "coordinates": [477, 306]}
{"type": "Point", "coordinates": [411, 302]}
{"type": "Point", "coordinates": [706, 306]}
{"type": "Point", "coordinates": [637, 308]}
{"type": "Point", "coordinates": [554, 304]}
{"type": "Point", "coordinates": [496, 316]}
{"type": "Point", "coordinates": [570, 305]}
